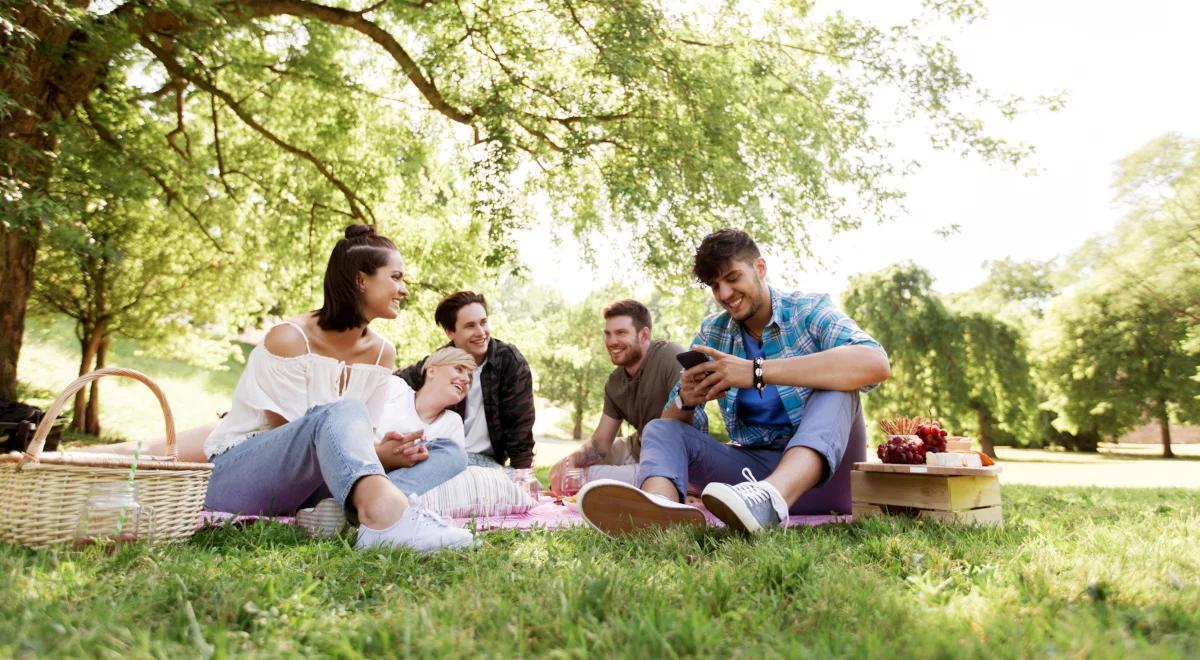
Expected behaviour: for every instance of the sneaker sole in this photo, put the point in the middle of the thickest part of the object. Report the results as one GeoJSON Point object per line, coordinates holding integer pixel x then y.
{"type": "Point", "coordinates": [734, 513]}
{"type": "Point", "coordinates": [617, 510]}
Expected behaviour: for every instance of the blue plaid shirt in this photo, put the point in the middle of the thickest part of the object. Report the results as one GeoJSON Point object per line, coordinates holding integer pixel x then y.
{"type": "Point", "coordinates": [801, 324]}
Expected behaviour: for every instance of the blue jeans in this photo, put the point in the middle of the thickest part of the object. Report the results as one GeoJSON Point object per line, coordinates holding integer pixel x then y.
{"type": "Point", "coordinates": [832, 426]}
{"type": "Point", "coordinates": [322, 454]}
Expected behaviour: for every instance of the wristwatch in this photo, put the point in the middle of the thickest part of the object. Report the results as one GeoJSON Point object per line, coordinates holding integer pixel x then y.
{"type": "Point", "coordinates": [680, 405]}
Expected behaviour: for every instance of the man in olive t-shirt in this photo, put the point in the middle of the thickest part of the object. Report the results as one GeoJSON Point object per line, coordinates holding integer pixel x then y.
{"type": "Point", "coordinates": [636, 392]}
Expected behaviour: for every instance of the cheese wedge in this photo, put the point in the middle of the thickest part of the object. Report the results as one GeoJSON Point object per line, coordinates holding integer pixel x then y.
{"type": "Point", "coordinates": [953, 459]}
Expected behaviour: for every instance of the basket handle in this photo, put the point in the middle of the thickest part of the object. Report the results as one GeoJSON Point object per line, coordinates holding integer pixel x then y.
{"type": "Point", "coordinates": [43, 430]}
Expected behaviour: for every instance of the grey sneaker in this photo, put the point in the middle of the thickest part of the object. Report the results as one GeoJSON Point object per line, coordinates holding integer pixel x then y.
{"type": "Point", "coordinates": [617, 508]}
{"type": "Point", "coordinates": [750, 506]}
{"type": "Point", "coordinates": [323, 520]}
{"type": "Point", "coordinates": [419, 529]}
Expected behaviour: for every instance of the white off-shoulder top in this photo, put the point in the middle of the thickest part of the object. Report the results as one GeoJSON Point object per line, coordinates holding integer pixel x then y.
{"type": "Point", "coordinates": [290, 386]}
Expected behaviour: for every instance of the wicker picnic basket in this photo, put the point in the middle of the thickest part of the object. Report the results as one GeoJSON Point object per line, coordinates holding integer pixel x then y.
{"type": "Point", "coordinates": [42, 497]}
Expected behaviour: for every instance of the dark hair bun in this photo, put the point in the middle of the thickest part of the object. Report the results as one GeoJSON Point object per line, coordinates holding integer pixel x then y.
{"type": "Point", "coordinates": [354, 231]}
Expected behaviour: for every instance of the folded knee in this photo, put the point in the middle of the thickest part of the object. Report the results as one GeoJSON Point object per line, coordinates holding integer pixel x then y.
{"type": "Point", "coordinates": [660, 432]}
{"type": "Point", "coordinates": [346, 417]}
{"type": "Point", "coordinates": [344, 408]}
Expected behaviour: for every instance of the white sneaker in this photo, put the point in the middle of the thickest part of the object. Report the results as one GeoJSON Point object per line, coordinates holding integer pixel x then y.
{"type": "Point", "coordinates": [617, 508]}
{"type": "Point", "coordinates": [419, 529]}
{"type": "Point", "coordinates": [325, 519]}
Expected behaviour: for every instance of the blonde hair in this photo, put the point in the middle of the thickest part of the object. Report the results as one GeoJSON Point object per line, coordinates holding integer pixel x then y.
{"type": "Point", "coordinates": [449, 356]}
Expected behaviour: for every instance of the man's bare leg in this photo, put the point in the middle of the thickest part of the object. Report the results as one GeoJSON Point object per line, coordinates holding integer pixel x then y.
{"type": "Point", "coordinates": [798, 472]}
{"type": "Point", "coordinates": [661, 486]}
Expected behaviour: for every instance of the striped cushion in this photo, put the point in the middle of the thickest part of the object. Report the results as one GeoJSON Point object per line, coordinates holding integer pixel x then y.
{"type": "Point", "coordinates": [477, 492]}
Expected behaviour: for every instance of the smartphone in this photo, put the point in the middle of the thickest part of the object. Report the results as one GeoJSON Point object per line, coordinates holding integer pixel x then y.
{"type": "Point", "coordinates": [690, 359]}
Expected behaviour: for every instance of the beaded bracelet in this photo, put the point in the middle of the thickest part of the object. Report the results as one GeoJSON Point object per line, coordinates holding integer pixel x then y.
{"type": "Point", "coordinates": [758, 375]}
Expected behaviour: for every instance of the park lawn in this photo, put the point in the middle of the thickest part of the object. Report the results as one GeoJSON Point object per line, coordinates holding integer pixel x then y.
{"type": "Point", "coordinates": [1075, 572]}
{"type": "Point", "coordinates": [128, 411]}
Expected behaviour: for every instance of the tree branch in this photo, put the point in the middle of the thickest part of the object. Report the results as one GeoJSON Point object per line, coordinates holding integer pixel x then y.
{"type": "Point", "coordinates": [579, 23]}
{"type": "Point", "coordinates": [358, 208]}
{"type": "Point", "coordinates": [172, 196]}
{"type": "Point", "coordinates": [357, 22]}
{"type": "Point", "coordinates": [186, 152]}
{"type": "Point", "coordinates": [212, 103]}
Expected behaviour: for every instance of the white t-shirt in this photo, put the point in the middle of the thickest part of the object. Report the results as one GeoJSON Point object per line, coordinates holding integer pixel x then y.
{"type": "Point", "coordinates": [478, 441]}
{"type": "Point", "coordinates": [400, 415]}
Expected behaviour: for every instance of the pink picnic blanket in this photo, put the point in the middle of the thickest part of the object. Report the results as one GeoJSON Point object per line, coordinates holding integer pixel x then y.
{"type": "Point", "coordinates": [550, 515]}
{"type": "Point", "coordinates": [547, 515]}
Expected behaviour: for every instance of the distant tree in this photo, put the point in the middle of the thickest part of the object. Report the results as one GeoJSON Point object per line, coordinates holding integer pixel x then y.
{"type": "Point", "coordinates": [970, 370]}
{"type": "Point", "coordinates": [899, 308]}
{"type": "Point", "coordinates": [998, 379]}
{"type": "Point", "coordinates": [1124, 346]}
{"type": "Point", "coordinates": [119, 267]}
{"type": "Point", "coordinates": [573, 365]}
{"type": "Point", "coordinates": [1158, 250]}
{"type": "Point", "coordinates": [1015, 291]}
{"type": "Point", "coordinates": [1113, 361]}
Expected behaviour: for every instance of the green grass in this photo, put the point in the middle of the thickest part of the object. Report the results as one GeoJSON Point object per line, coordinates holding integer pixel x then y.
{"type": "Point", "coordinates": [1075, 572]}
{"type": "Point", "coordinates": [50, 361]}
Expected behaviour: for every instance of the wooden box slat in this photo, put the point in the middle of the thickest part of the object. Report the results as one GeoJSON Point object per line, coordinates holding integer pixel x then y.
{"type": "Point", "coordinates": [924, 491]}
{"type": "Point", "coordinates": [989, 471]}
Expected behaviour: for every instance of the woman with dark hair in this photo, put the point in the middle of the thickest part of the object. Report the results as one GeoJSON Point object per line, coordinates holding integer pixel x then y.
{"type": "Point", "coordinates": [307, 408]}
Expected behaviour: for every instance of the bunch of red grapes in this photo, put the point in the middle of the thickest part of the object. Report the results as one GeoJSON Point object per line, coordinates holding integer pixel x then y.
{"type": "Point", "coordinates": [904, 449]}
{"type": "Point", "coordinates": [932, 435]}
{"type": "Point", "coordinates": [899, 449]}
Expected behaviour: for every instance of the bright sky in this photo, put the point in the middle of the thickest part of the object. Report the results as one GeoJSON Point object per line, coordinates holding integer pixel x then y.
{"type": "Point", "coordinates": [1129, 73]}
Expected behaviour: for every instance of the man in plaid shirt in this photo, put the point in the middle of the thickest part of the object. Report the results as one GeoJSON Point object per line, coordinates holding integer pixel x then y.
{"type": "Point", "coordinates": [787, 369]}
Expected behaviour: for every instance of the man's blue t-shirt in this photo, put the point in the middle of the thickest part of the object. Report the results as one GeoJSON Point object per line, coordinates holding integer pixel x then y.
{"type": "Point", "coordinates": [765, 409]}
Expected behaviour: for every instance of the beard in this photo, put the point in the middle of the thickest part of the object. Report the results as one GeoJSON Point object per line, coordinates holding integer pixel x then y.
{"type": "Point", "coordinates": [752, 306]}
{"type": "Point", "coordinates": [632, 355]}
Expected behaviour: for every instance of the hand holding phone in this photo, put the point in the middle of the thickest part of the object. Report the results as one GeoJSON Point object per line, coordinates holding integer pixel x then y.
{"type": "Point", "coordinates": [691, 359]}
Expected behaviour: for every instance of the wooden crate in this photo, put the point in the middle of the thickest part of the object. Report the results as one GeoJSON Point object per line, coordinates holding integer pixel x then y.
{"type": "Point", "coordinates": [963, 495]}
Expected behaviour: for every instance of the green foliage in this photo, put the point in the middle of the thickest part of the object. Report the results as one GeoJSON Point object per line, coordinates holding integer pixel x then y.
{"type": "Point", "coordinates": [572, 364]}
{"type": "Point", "coordinates": [1056, 579]}
{"type": "Point", "coordinates": [118, 262]}
{"type": "Point", "coordinates": [1015, 291]}
{"type": "Point", "coordinates": [631, 113]}
{"type": "Point", "coordinates": [970, 370]}
{"type": "Point", "coordinates": [1122, 346]}
{"type": "Point", "coordinates": [1112, 362]}
{"type": "Point", "coordinates": [451, 125]}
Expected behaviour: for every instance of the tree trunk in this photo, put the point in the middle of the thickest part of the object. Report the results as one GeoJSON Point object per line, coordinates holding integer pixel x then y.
{"type": "Point", "coordinates": [985, 442]}
{"type": "Point", "coordinates": [89, 345]}
{"type": "Point", "coordinates": [577, 413]}
{"type": "Point", "coordinates": [93, 408]}
{"type": "Point", "coordinates": [43, 83]}
{"type": "Point", "coordinates": [1164, 423]}
{"type": "Point", "coordinates": [16, 280]}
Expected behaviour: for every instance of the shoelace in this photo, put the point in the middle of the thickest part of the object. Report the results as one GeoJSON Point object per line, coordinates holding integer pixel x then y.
{"type": "Point", "coordinates": [749, 489]}
{"type": "Point", "coordinates": [428, 517]}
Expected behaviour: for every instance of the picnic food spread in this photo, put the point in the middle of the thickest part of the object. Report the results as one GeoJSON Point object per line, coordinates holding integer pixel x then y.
{"type": "Point", "coordinates": [917, 441]}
